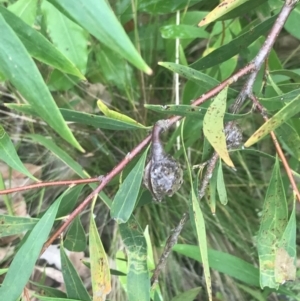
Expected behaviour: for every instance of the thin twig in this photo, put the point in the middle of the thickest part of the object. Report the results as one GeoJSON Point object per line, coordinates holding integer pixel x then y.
{"type": "Point", "coordinates": [47, 184]}
{"type": "Point", "coordinates": [255, 65]}
{"type": "Point", "coordinates": [278, 147]}
{"type": "Point", "coordinates": [172, 240]}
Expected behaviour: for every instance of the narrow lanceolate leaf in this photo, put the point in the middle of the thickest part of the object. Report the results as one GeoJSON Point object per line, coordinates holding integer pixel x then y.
{"type": "Point", "coordinates": [213, 126]}
{"type": "Point", "coordinates": [221, 185]}
{"type": "Point", "coordinates": [75, 238]}
{"type": "Point", "coordinates": [188, 110]}
{"type": "Point", "coordinates": [100, 272]}
{"type": "Point", "coordinates": [127, 194]}
{"type": "Point", "coordinates": [115, 115]}
{"type": "Point", "coordinates": [138, 280]}
{"type": "Point", "coordinates": [189, 295]}
{"type": "Point", "coordinates": [24, 261]}
{"type": "Point", "coordinates": [9, 155]}
{"type": "Point", "coordinates": [68, 37]}
{"type": "Point", "coordinates": [234, 47]}
{"type": "Point", "coordinates": [84, 118]}
{"type": "Point", "coordinates": [196, 76]}
{"type": "Point", "coordinates": [286, 256]}
{"type": "Point", "coordinates": [18, 67]}
{"type": "Point", "coordinates": [199, 224]}
{"type": "Point", "coordinates": [222, 9]}
{"type": "Point", "coordinates": [38, 46]}
{"type": "Point", "coordinates": [73, 283]}
{"type": "Point", "coordinates": [97, 17]}
{"type": "Point", "coordinates": [279, 118]}
{"type": "Point", "coordinates": [273, 223]}
{"type": "Point", "coordinates": [11, 225]}
{"type": "Point", "coordinates": [25, 9]}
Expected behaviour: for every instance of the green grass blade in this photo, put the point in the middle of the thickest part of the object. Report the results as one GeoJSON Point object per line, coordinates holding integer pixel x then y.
{"type": "Point", "coordinates": [189, 295]}
{"type": "Point", "coordinates": [199, 224]}
{"type": "Point", "coordinates": [74, 285]}
{"type": "Point", "coordinates": [9, 155]}
{"type": "Point", "coordinates": [224, 263]}
{"type": "Point", "coordinates": [97, 17]}
{"type": "Point", "coordinates": [24, 261]}
{"type": "Point", "coordinates": [125, 199]}
{"type": "Point", "coordinates": [19, 68]}
{"type": "Point", "coordinates": [138, 280]}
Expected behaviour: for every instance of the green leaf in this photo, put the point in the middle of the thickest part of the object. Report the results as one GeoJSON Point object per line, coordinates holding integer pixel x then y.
{"type": "Point", "coordinates": [138, 281]}
{"type": "Point", "coordinates": [68, 203]}
{"type": "Point", "coordinates": [69, 161]}
{"type": "Point", "coordinates": [127, 194]}
{"type": "Point", "coordinates": [213, 126]}
{"type": "Point", "coordinates": [234, 47]}
{"type": "Point", "coordinates": [84, 118]}
{"type": "Point", "coordinates": [164, 6]}
{"type": "Point", "coordinates": [18, 67]}
{"type": "Point", "coordinates": [97, 17]}
{"type": "Point", "coordinates": [277, 102]}
{"type": "Point", "coordinates": [196, 76]}
{"type": "Point", "coordinates": [44, 298]}
{"type": "Point", "coordinates": [193, 111]}
{"type": "Point", "coordinates": [286, 256]}
{"type": "Point", "coordinates": [25, 9]}
{"type": "Point", "coordinates": [290, 139]}
{"type": "Point", "coordinates": [189, 295]}
{"type": "Point", "coordinates": [273, 222]}
{"type": "Point", "coordinates": [68, 37]}
{"type": "Point", "coordinates": [116, 115]}
{"type": "Point", "coordinates": [242, 9]}
{"type": "Point", "coordinates": [100, 272]}
{"type": "Point", "coordinates": [38, 46]}
{"type": "Point", "coordinates": [292, 22]}
{"type": "Point", "coordinates": [9, 155]}
{"type": "Point", "coordinates": [75, 238]}
{"type": "Point", "coordinates": [24, 260]}
{"type": "Point", "coordinates": [279, 118]}
{"type": "Point", "coordinates": [11, 225]}
{"type": "Point", "coordinates": [224, 263]}
{"type": "Point", "coordinates": [221, 185]}
{"type": "Point", "coordinates": [74, 285]}
{"type": "Point", "coordinates": [221, 10]}
{"type": "Point", "coordinates": [48, 291]}
{"type": "Point", "coordinates": [199, 224]}
{"type": "Point", "coordinates": [183, 32]}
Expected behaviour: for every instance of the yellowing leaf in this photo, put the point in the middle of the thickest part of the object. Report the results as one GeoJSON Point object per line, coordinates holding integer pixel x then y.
{"type": "Point", "coordinates": [116, 115]}
{"type": "Point", "coordinates": [223, 8]}
{"type": "Point", "coordinates": [291, 109]}
{"type": "Point", "coordinates": [99, 265]}
{"type": "Point", "coordinates": [213, 127]}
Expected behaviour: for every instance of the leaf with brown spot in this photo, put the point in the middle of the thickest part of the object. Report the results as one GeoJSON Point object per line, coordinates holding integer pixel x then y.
{"type": "Point", "coordinates": [213, 126]}
{"type": "Point", "coordinates": [290, 110]}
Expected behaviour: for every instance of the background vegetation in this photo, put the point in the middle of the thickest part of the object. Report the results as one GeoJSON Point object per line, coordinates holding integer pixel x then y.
{"type": "Point", "coordinates": [57, 58]}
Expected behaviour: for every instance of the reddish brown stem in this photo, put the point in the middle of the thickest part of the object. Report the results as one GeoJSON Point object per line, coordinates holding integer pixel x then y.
{"type": "Point", "coordinates": [278, 147]}
{"type": "Point", "coordinates": [47, 184]}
